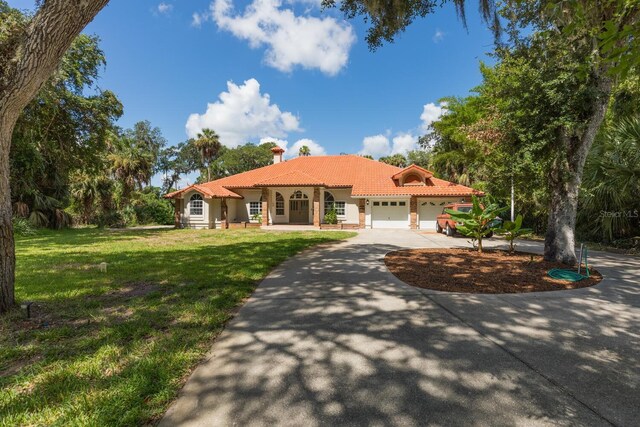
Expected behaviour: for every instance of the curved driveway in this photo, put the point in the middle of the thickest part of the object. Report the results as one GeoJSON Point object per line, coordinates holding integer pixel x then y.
{"type": "Point", "coordinates": [332, 338]}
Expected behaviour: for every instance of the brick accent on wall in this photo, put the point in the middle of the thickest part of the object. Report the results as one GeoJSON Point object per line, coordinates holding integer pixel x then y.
{"type": "Point", "coordinates": [265, 206]}
{"type": "Point", "coordinates": [413, 211]}
{"type": "Point", "coordinates": [316, 206]}
{"type": "Point", "coordinates": [361, 214]}
{"type": "Point", "coordinates": [178, 206]}
{"type": "Point", "coordinates": [224, 214]}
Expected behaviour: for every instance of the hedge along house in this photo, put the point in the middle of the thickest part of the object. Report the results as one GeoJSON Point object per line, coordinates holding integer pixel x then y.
{"type": "Point", "coordinates": [365, 194]}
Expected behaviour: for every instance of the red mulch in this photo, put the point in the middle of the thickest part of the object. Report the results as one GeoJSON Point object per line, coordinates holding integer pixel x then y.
{"type": "Point", "coordinates": [492, 272]}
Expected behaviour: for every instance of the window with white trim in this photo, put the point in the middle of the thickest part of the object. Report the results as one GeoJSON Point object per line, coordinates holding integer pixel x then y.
{"type": "Point", "coordinates": [330, 203]}
{"type": "Point", "coordinates": [196, 205]}
{"type": "Point", "coordinates": [279, 204]}
{"type": "Point", "coordinates": [255, 208]}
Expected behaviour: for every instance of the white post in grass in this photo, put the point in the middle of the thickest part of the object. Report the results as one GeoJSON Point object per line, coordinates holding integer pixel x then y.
{"type": "Point", "coordinates": [513, 201]}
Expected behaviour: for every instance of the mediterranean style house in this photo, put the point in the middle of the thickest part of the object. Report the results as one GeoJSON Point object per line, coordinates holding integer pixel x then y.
{"type": "Point", "coordinates": [364, 193]}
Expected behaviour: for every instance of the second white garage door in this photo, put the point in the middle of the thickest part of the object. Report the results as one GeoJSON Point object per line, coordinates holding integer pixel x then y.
{"type": "Point", "coordinates": [428, 210]}
{"type": "Point", "coordinates": [427, 213]}
{"type": "Point", "coordinates": [390, 214]}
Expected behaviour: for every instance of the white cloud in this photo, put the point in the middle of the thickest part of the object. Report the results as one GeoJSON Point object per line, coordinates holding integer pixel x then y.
{"type": "Point", "coordinates": [438, 36]}
{"type": "Point", "coordinates": [279, 142]}
{"type": "Point", "coordinates": [432, 112]}
{"type": "Point", "coordinates": [165, 8]}
{"type": "Point", "coordinates": [197, 19]}
{"type": "Point", "coordinates": [375, 146]}
{"type": "Point", "coordinates": [290, 40]}
{"type": "Point", "coordinates": [243, 113]}
{"type": "Point", "coordinates": [315, 148]}
{"type": "Point", "coordinates": [403, 143]}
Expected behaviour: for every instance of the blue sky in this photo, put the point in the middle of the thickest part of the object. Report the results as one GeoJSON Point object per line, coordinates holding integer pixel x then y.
{"type": "Point", "coordinates": [289, 71]}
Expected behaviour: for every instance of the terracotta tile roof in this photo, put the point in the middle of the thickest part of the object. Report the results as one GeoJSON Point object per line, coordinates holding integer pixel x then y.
{"type": "Point", "coordinates": [366, 177]}
{"type": "Point", "coordinates": [293, 178]}
{"type": "Point", "coordinates": [415, 168]}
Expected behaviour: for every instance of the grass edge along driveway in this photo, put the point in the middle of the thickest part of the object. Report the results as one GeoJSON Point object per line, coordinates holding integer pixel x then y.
{"type": "Point", "coordinates": [114, 347]}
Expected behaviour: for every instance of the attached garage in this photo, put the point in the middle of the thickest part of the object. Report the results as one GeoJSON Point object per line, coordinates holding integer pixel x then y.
{"type": "Point", "coordinates": [390, 214]}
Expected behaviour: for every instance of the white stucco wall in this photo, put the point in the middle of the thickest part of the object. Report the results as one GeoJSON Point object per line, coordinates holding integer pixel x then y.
{"type": "Point", "coordinates": [200, 221]}
{"type": "Point", "coordinates": [351, 204]}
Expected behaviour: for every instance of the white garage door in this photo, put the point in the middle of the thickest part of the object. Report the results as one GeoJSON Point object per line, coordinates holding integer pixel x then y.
{"type": "Point", "coordinates": [428, 210]}
{"type": "Point", "coordinates": [390, 214]}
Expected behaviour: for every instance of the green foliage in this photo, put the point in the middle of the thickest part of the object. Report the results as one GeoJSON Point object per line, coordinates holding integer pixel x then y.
{"type": "Point", "coordinates": [208, 144]}
{"type": "Point", "coordinates": [132, 334]}
{"type": "Point", "coordinates": [479, 222]}
{"type": "Point", "coordinates": [512, 230]}
{"type": "Point", "coordinates": [62, 132]}
{"type": "Point", "coordinates": [331, 217]}
{"type": "Point", "coordinates": [23, 227]}
{"type": "Point", "coordinates": [609, 209]}
{"type": "Point", "coordinates": [388, 19]}
{"type": "Point", "coordinates": [304, 151]}
{"type": "Point", "coordinates": [243, 158]}
{"type": "Point", "coordinates": [420, 158]}
{"type": "Point", "coordinates": [395, 160]}
{"type": "Point", "coordinates": [151, 208]}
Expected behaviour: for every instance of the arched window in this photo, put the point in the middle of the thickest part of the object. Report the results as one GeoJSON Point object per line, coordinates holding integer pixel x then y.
{"type": "Point", "coordinates": [279, 204]}
{"type": "Point", "coordinates": [298, 195]}
{"type": "Point", "coordinates": [331, 203]}
{"type": "Point", "coordinates": [328, 201]}
{"type": "Point", "coordinates": [196, 205]}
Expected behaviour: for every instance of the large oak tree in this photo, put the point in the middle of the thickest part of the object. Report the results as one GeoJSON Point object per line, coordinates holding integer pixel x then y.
{"type": "Point", "coordinates": [30, 51]}
{"type": "Point", "coordinates": [603, 36]}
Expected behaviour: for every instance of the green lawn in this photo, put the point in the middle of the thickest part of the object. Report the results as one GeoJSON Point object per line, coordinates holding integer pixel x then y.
{"type": "Point", "coordinates": [114, 348]}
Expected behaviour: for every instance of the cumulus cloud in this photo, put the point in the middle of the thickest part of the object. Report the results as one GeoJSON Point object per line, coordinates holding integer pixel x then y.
{"type": "Point", "coordinates": [290, 40]}
{"type": "Point", "coordinates": [438, 36]}
{"type": "Point", "coordinates": [432, 112]}
{"type": "Point", "coordinates": [403, 143]}
{"type": "Point", "coordinates": [242, 113]}
{"type": "Point", "coordinates": [375, 146]}
{"type": "Point", "coordinates": [315, 148]}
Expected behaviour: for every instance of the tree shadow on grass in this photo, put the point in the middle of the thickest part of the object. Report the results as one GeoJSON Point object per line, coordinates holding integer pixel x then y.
{"type": "Point", "coordinates": [116, 358]}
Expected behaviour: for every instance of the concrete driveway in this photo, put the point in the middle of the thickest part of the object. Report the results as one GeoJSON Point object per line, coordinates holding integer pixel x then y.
{"type": "Point", "coordinates": [332, 338]}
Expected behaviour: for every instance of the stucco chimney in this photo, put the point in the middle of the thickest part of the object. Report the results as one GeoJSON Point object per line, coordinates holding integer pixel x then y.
{"type": "Point", "coordinates": [277, 154]}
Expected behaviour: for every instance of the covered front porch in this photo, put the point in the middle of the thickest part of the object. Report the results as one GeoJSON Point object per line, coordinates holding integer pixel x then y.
{"type": "Point", "coordinates": [271, 206]}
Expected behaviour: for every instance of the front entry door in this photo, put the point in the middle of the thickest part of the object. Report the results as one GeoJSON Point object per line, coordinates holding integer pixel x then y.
{"type": "Point", "coordinates": [299, 211]}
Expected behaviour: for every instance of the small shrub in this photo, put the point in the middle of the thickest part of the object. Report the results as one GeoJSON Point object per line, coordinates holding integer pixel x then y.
{"type": "Point", "coordinates": [511, 230]}
{"type": "Point", "coordinates": [151, 208]}
{"type": "Point", "coordinates": [111, 219]}
{"type": "Point", "coordinates": [22, 227]}
{"type": "Point", "coordinates": [331, 217]}
{"type": "Point", "coordinates": [479, 222]}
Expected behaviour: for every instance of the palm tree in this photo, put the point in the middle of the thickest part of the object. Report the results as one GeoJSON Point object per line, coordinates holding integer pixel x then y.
{"type": "Point", "coordinates": [130, 166]}
{"type": "Point", "coordinates": [304, 151]}
{"type": "Point", "coordinates": [611, 183]}
{"type": "Point", "coordinates": [84, 188]}
{"type": "Point", "coordinates": [208, 143]}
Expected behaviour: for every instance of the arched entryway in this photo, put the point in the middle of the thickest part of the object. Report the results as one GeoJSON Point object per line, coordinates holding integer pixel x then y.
{"type": "Point", "coordinates": [298, 208]}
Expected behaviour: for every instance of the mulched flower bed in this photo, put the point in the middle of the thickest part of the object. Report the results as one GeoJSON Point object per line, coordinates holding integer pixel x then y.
{"type": "Point", "coordinates": [492, 272]}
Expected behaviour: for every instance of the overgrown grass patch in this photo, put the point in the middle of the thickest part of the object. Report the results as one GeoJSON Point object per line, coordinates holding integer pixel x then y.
{"type": "Point", "coordinates": [114, 347]}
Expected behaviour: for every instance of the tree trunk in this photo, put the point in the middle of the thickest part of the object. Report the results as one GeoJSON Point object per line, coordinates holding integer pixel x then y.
{"type": "Point", "coordinates": [33, 60]}
{"type": "Point", "coordinates": [7, 248]}
{"type": "Point", "coordinates": [565, 178]}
